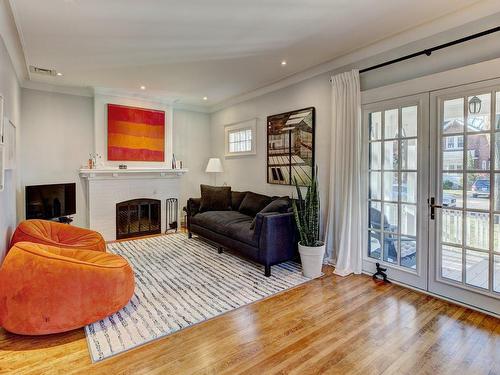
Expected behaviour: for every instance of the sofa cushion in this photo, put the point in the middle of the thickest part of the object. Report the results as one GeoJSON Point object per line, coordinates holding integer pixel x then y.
{"type": "Point", "coordinates": [218, 221]}
{"type": "Point", "coordinates": [215, 198]}
{"type": "Point", "coordinates": [280, 205]}
{"type": "Point", "coordinates": [253, 203]}
{"type": "Point", "coordinates": [236, 199]}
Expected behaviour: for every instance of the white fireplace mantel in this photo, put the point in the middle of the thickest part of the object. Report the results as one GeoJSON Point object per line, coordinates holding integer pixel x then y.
{"type": "Point", "coordinates": [107, 186]}
{"type": "Point", "coordinates": [116, 173]}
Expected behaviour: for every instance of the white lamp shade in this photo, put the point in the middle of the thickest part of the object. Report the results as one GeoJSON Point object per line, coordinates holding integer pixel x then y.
{"type": "Point", "coordinates": [214, 165]}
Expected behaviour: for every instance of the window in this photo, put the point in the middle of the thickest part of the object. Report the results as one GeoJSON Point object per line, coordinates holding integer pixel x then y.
{"type": "Point", "coordinates": [240, 138]}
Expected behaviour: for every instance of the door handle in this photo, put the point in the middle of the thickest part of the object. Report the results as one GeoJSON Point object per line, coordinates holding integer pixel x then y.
{"type": "Point", "coordinates": [433, 206]}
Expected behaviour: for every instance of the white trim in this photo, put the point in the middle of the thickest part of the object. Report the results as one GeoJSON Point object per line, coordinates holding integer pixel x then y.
{"type": "Point", "coordinates": [12, 37]}
{"type": "Point", "coordinates": [243, 125]}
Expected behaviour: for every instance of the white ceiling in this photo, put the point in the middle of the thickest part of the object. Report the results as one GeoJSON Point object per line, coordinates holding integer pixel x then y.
{"type": "Point", "coordinates": [188, 49]}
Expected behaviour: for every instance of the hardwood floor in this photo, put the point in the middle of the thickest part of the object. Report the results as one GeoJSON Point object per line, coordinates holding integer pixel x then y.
{"type": "Point", "coordinates": [332, 325]}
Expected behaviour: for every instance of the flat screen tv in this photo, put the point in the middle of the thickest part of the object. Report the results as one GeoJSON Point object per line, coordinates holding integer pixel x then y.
{"type": "Point", "coordinates": [50, 201]}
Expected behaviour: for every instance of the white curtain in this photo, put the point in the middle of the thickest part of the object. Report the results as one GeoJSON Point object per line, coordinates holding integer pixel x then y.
{"type": "Point", "coordinates": [344, 237]}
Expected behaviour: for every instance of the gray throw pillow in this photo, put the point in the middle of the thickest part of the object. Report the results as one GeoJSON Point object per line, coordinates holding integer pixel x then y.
{"type": "Point", "coordinates": [215, 198]}
{"type": "Point", "coordinates": [253, 203]}
{"type": "Point", "coordinates": [236, 199]}
{"type": "Point", "coordinates": [280, 205]}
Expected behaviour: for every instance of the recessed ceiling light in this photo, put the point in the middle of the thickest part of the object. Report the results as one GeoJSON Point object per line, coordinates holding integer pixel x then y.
{"type": "Point", "coordinates": [205, 98]}
{"type": "Point", "coordinates": [283, 62]}
{"type": "Point", "coordinates": [143, 87]}
{"type": "Point", "coordinates": [59, 74]}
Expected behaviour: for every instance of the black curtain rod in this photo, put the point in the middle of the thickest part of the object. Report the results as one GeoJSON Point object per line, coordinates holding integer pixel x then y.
{"type": "Point", "coordinates": [429, 51]}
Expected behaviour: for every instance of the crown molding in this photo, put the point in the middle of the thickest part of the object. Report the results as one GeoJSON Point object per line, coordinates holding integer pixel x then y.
{"type": "Point", "coordinates": [465, 15]}
{"type": "Point", "coordinates": [67, 90]}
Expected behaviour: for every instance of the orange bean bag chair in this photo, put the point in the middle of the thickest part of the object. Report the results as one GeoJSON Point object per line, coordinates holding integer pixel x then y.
{"type": "Point", "coordinates": [46, 289]}
{"type": "Point", "coordinates": [58, 234]}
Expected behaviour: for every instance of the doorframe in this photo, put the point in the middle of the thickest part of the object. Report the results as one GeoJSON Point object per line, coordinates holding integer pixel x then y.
{"type": "Point", "coordinates": [416, 278]}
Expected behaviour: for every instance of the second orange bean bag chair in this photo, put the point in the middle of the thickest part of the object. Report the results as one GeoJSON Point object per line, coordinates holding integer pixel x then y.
{"type": "Point", "coordinates": [46, 289]}
{"type": "Point", "coordinates": [58, 234]}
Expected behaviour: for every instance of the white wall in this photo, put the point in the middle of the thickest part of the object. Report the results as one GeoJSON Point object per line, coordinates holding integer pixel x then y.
{"type": "Point", "coordinates": [10, 90]}
{"type": "Point", "coordinates": [57, 138]}
{"type": "Point", "coordinates": [192, 145]}
{"type": "Point", "coordinates": [61, 130]}
{"type": "Point", "coordinates": [249, 172]}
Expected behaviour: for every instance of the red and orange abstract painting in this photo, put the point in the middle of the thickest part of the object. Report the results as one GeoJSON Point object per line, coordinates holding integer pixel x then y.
{"type": "Point", "coordinates": [135, 134]}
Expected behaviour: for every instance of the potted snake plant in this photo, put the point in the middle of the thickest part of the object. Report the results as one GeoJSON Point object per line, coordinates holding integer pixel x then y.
{"type": "Point", "coordinates": [306, 212]}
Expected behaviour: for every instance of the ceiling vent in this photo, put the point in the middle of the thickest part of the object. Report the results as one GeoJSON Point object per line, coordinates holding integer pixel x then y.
{"type": "Point", "coordinates": [43, 71]}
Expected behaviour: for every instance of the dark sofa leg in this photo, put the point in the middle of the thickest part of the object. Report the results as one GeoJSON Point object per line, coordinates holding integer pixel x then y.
{"type": "Point", "coordinates": [267, 271]}
{"type": "Point", "coordinates": [220, 250]}
{"type": "Point", "coordinates": [190, 235]}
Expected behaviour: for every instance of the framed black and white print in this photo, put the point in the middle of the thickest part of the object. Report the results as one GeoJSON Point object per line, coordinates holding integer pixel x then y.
{"type": "Point", "coordinates": [290, 147]}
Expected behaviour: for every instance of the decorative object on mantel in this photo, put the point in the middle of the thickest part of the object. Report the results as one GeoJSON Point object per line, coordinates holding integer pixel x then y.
{"type": "Point", "coordinates": [94, 160]}
{"type": "Point", "coordinates": [290, 147]}
{"type": "Point", "coordinates": [306, 211]}
{"type": "Point", "coordinates": [172, 205]}
{"type": "Point", "coordinates": [122, 166]}
{"type": "Point", "coordinates": [135, 134]}
{"type": "Point", "coordinates": [214, 166]}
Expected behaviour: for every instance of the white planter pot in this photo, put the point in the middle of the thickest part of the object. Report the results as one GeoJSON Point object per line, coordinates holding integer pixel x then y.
{"type": "Point", "coordinates": [312, 260]}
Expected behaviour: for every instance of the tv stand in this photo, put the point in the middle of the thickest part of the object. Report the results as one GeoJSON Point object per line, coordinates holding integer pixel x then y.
{"type": "Point", "coordinates": [65, 219]}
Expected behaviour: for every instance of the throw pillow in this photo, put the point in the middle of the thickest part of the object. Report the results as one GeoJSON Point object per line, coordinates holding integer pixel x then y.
{"type": "Point", "coordinates": [215, 198]}
{"type": "Point", "coordinates": [236, 199]}
{"type": "Point", "coordinates": [253, 203]}
{"type": "Point", "coordinates": [280, 205]}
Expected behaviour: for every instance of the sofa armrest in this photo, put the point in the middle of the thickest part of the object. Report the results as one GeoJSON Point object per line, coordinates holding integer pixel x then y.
{"type": "Point", "coordinates": [277, 237]}
{"type": "Point", "coordinates": [193, 206]}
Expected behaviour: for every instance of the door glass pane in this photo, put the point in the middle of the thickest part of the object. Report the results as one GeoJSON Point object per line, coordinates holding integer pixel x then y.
{"type": "Point", "coordinates": [451, 262]}
{"type": "Point", "coordinates": [390, 248]}
{"type": "Point", "coordinates": [391, 186]}
{"type": "Point", "coordinates": [453, 153]}
{"type": "Point", "coordinates": [496, 273]}
{"type": "Point", "coordinates": [409, 121]}
{"type": "Point", "coordinates": [409, 187]}
{"type": "Point", "coordinates": [478, 191]}
{"type": "Point", "coordinates": [496, 233]}
{"type": "Point", "coordinates": [451, 224]}
{"type": "Point", "coordinates": [408, 220]}
{"type": "Point", "coordinates": [453, 116]}
{"type": "Point", "coordinates": [391, 217]}
{"type": "Point", "coordinates": [374, 244]}
{"type": "Point", "coordinates": [477, 230]}
{"type": "Point", "coordinates": [375, 155]}
{"type": "Point", "coordinates": [476, 268]}
{"type": "Point", "coordinates": [375, 125]}
{"type": "Point", "coordinates": [478, 152]}
{"type": "Point", "coordinates": [497, 117]}
{"type": "Point", "coordinates": [375, 215]}
{"type": "Point", "coordinates": [479, 107]}
{"type": "Point", "coordinates": [408, 252]}
{"type": "Point", "coordinates": [496, 149]}
{"type": "Point", "coordinates": [391, 124]}
{"type": "Point", "coordinates": [391, 155]}
{"type": "Point", "coordinates": [452, 190]}
{"type": "Point", "coordinates": [408, 154]}
{"type": "Point", "coordinates": [375, 185]}
{"type": "Point", "coordinates": [497, 192]}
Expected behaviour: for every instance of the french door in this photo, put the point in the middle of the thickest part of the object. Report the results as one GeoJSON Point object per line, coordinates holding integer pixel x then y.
{"type": "Point", "coordinates": [465, 195]}
{"type": "Point", "coordinates": [433, 192]}
{"type": "Point", "coordinates": [396, 134]}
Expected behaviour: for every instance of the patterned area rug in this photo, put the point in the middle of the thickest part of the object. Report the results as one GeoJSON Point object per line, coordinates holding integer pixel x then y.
{"type": "Point", "coordinates": [181, 282]}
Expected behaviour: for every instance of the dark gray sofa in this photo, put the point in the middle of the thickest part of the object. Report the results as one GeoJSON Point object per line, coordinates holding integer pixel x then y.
{"type": "Point", "coordinates": [272, 239]}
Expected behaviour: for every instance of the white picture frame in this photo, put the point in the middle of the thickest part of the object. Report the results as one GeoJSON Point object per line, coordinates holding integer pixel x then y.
{"type": "Point", "coordinates": [250, 125]}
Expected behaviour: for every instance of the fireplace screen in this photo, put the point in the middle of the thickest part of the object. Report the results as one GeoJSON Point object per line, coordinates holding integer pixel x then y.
{"type": "Point", "coordinates": [138, 217]}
